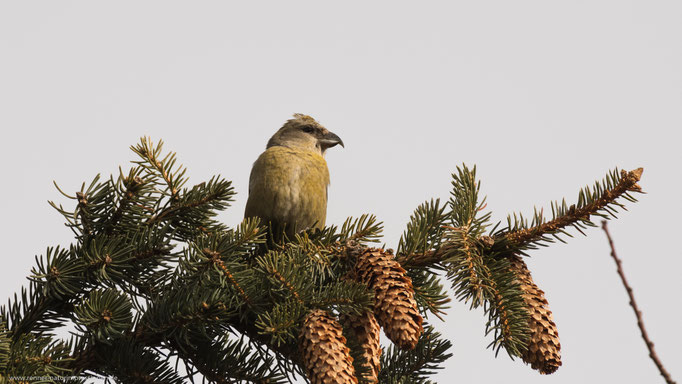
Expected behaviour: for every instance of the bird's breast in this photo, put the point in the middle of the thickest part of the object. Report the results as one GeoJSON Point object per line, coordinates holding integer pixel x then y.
{"type": "Point", "coordinates": [289, 186]}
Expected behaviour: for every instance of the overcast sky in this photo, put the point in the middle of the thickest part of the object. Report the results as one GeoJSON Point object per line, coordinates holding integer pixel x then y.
{"type": "Point", "coordinates": [543, 96]}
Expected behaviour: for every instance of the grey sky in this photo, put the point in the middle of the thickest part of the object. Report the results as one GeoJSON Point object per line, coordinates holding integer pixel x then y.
{"type": "Point", "coordinates": [543, 96]}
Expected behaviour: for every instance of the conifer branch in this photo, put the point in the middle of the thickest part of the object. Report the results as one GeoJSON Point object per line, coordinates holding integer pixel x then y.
{"type": "Point", "coordinates": [151, 161]}
{"type": "Point", "coordinates": [39, 355]}
{"type": "Point", "coordinates": [219, 195]}
{"type": "Point", "coordinates": [597, 201]}
{"type": "Point", "coordinates": [126, 359]}
{"type": "Point", "coordinates": [215, 259]}
{"type": "Point", "coordinates": [415, 366]}
{"type": "Point", "coordinates": [223, 361]}
{"type": "Point", "coordinates": [505, 307]}
{"type": "Point", "coordinates": [589, 203]}
{"type": "Point", "coordinates": [151, 253]}
{"type": "Point", "coordinates": [132, 186]}
{"type": "Point", "coordinates": [465, 266]}
{"type": "Point", "coordinates": [365, 228]}
{"type": "Point", "coordinates": [33, 312]}
{"type": "Point", "coordinates": [286, 284]}
{"type": "Point", "coordinates": [131, 295]}
{"type": "Point", "coordinates": [429, 294]}
{"type": "Point", "coordinates": [83, 360]}
{"type": "Point", "coordinates": [90, 358]}
{"type": "Point", "coordinates": [504, 317]}
{"type": "Point", "coordinates": [638, 313]}
{"type": "Point", "coordinates": [280, 323]}
{"type": "Point", "coordinates": [83, 212]}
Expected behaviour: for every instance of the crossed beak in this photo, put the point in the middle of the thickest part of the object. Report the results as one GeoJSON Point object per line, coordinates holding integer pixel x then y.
{"type": "Point", "coordinates": [330, 139]}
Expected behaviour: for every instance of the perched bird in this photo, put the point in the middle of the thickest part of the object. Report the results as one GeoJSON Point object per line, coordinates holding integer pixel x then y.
{"type": "Point", "coordinates": [289, 181]}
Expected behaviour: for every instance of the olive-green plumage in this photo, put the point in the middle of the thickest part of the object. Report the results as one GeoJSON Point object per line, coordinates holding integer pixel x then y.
{"type": "Point", "coordinates": [289, 181]}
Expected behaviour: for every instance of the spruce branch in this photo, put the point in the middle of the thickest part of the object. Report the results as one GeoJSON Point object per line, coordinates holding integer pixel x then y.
{"type": "Point", "coordinates": [442, 231]}
{"type": "Point", "coordinates": [466, 267]}
{"type": "Point", "coordinates": [130, 362]}
{"type": "Point", "coordinates": [33, 311]}
{"type": "Point", "coordinates": [224, 361]}
{"type": "Point", "coordinates": [105, 315]}
{"type": "Point", "coordinates": [152, 162]}
{"type": "Point", "coordinates": [281, 270]}
{"type": "Point", "coordinates": [173, 318]}
{"type": "Point", "coordinates": [318, 253]}
{"type": "Point", "coordinates": [90, 203]}
{"type": "Point", "coordinates": [129, 188]}
{"type": "Point", "coordinates": [429, 293]}
{"type": "Point", "coordinates": [179, 310]}
{"type": "Point", "coordinates": [151, 252]}
{"type": "Point", "coordinates": [57, 274]}
{"type": "Point", "coordinates": [638, 313]}
{"type": "Point", "coordinates": [415, 366]}
{"type": "Point", "coordinates": [424, 230]}
{"type": "Point", "coordinates": [281, 322]}
{"type": "Point", "coordinates": [37, 355]}
{"type": "Point", "coordinates": [365, 229]}
{"type": "Point", "coordinates": [215, 259]}
{"type": "Point", "coordinates": [216, 360]}
{"type": "Point", "coordinates": [216, 194]}
{"type": "Point", "coordinates": [599, 200]}
{"type": "Point", "coordinates": [345, 297]}
{"type": "Point", "coordinates": [507, 312]}
{"type": "Point", "coordinates": [154, 275]}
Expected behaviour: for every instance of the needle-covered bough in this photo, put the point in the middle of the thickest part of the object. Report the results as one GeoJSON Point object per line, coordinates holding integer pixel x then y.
{"type": "Point", "coordinates": [154, 280]}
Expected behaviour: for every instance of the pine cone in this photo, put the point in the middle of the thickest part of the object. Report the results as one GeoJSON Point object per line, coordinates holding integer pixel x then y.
{"type": "Point", "coordinates": [324, 350]}
{"type": "Point", "coordinates": [544, 349]}
{"type": "Point", "coordinates": [367, 331]}
{"type": "Point", "coordinates": [394, 304]}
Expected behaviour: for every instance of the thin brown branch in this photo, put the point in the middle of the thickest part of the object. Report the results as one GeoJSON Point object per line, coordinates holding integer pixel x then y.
{"type": "Point", "coordinates": [628, 182]}
{"type": "Point", "coordinates": [638, 313]}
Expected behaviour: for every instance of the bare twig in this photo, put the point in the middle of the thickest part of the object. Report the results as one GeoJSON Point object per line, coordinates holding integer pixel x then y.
{"type": "Point", "coordinates": [638, 313]}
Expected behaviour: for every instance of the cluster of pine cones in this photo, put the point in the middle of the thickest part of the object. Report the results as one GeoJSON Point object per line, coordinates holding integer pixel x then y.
{"type": "Point", "coordinates": [327, 358]}
{"type": "Point", "coordinates": [325, 354]}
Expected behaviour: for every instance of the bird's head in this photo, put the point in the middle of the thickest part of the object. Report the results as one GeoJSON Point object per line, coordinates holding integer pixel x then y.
{"type": "Point", "coordinates": [303, 132]}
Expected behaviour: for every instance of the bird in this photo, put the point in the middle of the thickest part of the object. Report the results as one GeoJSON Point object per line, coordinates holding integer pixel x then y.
{"type": "Point", "coordinates": [288, 184]}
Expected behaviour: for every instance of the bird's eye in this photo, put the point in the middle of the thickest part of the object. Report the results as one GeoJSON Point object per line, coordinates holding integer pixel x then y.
{"type": "Point", "coordinates": [308, 129]}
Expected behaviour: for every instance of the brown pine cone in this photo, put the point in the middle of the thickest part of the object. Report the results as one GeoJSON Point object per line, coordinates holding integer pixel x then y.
{"type": "Point", "coordinates": [394, 304]}
{"type": "Point", "coordinates": [367, 331]}
{"type": "Point", "coordinates": [324, 350]}
{"type": "Point", "coordinates": [544, 349]}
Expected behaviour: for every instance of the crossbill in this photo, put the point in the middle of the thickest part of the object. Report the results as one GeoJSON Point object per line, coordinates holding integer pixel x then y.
{"type": "Point", "coordinates": [289, 181]}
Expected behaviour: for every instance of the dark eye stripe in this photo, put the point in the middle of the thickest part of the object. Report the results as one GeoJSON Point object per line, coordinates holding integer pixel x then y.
{"type": "Point", "coordinates": [308, 129]}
